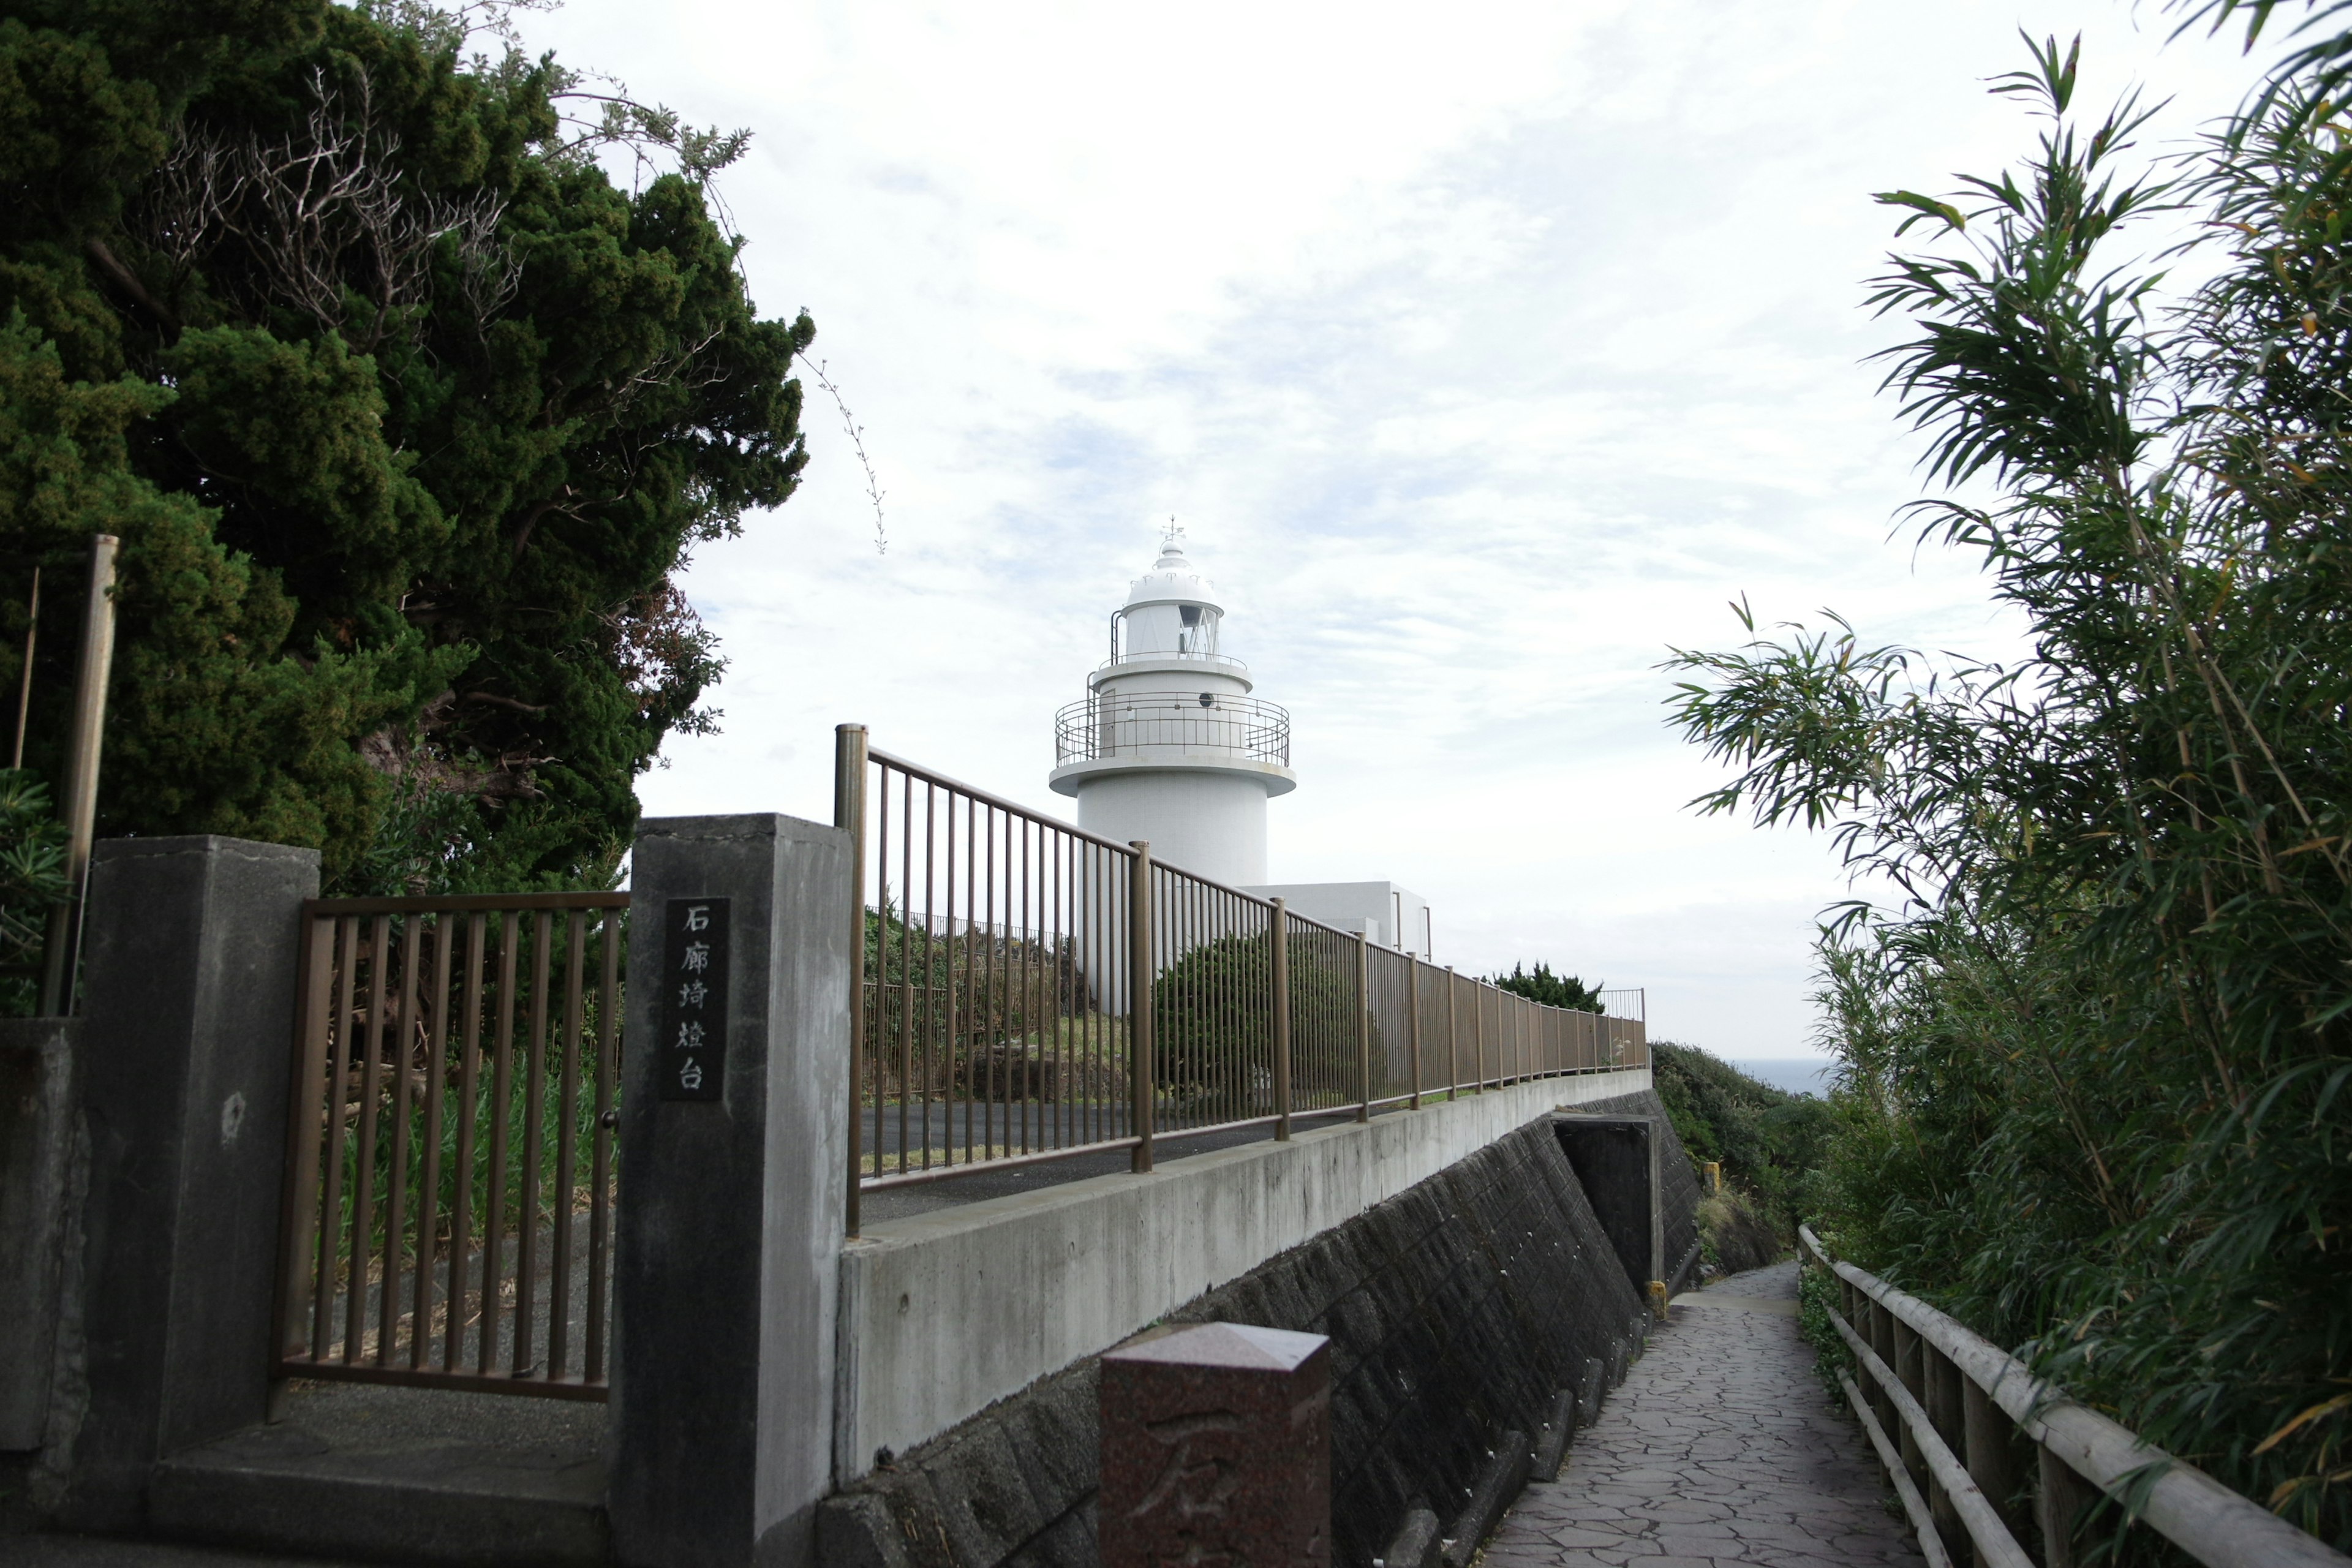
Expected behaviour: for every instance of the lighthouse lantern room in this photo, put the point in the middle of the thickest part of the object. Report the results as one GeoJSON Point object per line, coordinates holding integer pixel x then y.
{"type": "Point", "coordinates": [1169, 745]}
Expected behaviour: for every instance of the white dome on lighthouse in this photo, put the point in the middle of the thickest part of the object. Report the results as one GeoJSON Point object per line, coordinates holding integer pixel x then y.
{"type": "Point", "coordinates": [1171, 611]}
{"type": "Point", "coordinates": [1168, 746]}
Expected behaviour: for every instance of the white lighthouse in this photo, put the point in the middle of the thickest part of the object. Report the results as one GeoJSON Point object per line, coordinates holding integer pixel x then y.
{"type": "Point", "coordinates": [1167, 744]}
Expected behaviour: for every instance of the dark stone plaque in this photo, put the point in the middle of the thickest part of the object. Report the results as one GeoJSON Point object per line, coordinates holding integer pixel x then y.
{"type": "Point", "coordinates": [694, 999]}
{"type": "Point", "coordinates": [1216, 1450]}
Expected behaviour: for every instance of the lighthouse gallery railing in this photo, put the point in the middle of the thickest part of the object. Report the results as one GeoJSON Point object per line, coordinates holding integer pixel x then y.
{"type": "Point", "coordinates": [1026, 991]}
{"type": "Point", "coordinates": [1103, 725]}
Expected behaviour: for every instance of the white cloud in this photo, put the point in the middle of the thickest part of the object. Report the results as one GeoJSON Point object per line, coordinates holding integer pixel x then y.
{"type": "Point", "coordinates": [1484, 355]}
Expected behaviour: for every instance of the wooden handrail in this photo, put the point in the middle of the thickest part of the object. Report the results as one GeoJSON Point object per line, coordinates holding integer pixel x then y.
{"type": "Point", "coordinates": [2219, 1526]}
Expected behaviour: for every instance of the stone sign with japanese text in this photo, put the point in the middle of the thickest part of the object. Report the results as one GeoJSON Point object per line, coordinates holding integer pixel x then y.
{"type": "Point", "coordinates": [694, 999]}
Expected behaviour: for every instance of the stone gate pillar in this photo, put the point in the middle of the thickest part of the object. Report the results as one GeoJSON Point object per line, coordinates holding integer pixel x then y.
{"type": "Point", "coordinates": [187, 1031]}
{"type": "Point", "coordinates": [734, 1149]}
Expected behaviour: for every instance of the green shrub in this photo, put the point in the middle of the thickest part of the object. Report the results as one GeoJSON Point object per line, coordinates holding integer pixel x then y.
{"type": "Point", "coordinates": [32, 881]}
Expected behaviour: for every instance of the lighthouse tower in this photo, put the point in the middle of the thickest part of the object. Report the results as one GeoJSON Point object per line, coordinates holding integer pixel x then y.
{"type": "Point", "coordinates": [1167, 744]}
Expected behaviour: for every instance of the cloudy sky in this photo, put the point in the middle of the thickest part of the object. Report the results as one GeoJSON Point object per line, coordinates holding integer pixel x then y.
{"type": "Point", "coordinates": [1484, 351]}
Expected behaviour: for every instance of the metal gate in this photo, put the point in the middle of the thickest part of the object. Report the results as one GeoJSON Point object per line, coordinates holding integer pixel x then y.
{"type": "Point", "coordinates": [450, 1161]}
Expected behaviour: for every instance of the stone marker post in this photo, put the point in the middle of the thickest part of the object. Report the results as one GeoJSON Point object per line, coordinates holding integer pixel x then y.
{"type": "Point", "coordinates": [734, 1135]}
{"type": "Point", "coordinates": [188, 1032]}
{"type": "Point", "coordinates": [1216, 1446]}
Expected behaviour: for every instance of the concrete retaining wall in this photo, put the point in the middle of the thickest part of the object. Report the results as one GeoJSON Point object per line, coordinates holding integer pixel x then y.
{"type": "Point", "coordinates": [944, 1313]}
{"type": "Point", "coordinates": [1458, 1310]}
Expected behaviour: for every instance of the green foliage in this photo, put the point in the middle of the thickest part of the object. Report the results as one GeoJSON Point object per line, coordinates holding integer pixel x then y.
{"type": "Point", "coordinates": [1816, 1298]}
{"type": "Point", "coordinates": [32, 880]}
{"type": "Point", "coordinates": [971, 1013]}
{"type": "Point", "coordinates": [1551, 990]}
{"type": "Point", "coordinates": [1770, 1143]}
{"type": "Point", "coordinates": [406, 416]}
{"type": "Point", "coordinates": [2097, 1082]}
{"type": "Point", "coordinates": [1211, 1029]}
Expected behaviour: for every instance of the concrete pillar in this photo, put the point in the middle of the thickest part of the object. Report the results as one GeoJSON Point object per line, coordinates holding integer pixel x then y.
{"type": "Point", "coordinates": [1216, 1447]}
{"type": "Point", "coordinates": [188, 1041]}
{"type": "Point", "coordinates": [734, 1138]}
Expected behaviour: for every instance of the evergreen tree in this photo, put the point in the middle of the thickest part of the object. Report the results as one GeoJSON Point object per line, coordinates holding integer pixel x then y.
{"type": "Point", "coordinates": [406, 414]}
{"type": "Point", "coordinates": [1552, 990]}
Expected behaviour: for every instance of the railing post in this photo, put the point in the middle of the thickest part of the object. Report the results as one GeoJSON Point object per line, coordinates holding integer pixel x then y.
{"type": "Point", "coordinates": [1943, 1382]}
{"type": "Point", "coordinates": [1363, 1033]}
{"type": "Point", "coordinates": [1991, 1453]}
{"type": "Point", "coordinates": [1452, 1029]}
{"type": "Point", "coordinates": [1412, 1020]}
{"type": "Point", "coordinates": [2057, 1502]}
{"type": "Point", "coordinates": [1279, 945]}
{"type": "Point", "coordinates": [1882, 1339]}
{"type": "Point", "coordinates": [1138, 994]}
{"type": "Point", "coordinates": [849, 815]}
{"type": "Point", "coordinates": [1478, 1037]}
{"type": "Point", "coordinates": [1910, 1373]}
{"type": "Point", "coordinates": [77, 803]}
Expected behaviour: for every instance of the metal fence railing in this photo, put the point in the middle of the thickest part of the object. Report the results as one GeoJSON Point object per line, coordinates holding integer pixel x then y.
{"type": "Point", "coordinates": [1028, 991]}
{"type": "Point", "coordinates": [450, 1163]}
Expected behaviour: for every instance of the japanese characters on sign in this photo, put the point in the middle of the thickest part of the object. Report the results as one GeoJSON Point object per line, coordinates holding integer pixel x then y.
{"type": "Point", "coordinates": [694, 1000]}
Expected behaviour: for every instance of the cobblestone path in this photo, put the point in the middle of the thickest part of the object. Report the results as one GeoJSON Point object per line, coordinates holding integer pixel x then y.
{"type": "Point", "coordinates": [1720, 1448]}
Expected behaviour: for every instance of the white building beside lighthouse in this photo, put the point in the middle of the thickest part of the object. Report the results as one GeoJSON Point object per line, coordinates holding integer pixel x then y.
{"type": "Point", "coordinates": [1169, 746]}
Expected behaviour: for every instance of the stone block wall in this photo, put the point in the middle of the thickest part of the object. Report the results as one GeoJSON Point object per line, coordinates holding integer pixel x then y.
{"type": "Point", "coordinates": [1457, 1311]}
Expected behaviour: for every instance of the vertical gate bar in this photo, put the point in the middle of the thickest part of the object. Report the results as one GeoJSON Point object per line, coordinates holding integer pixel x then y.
{"type": "Point", "coordinates": [494, 1196]}
{"type": "Point", "coordinates": [461, 1201]}
{"type": "Point", "coordinates": [534, 1133]}
{"type": "Point", "coordinates": [428, 1187]}
{"type": "Point", "coordinates": [396, 1214]}
{"type": "Point", "coordinates": [363, 1171]}
{"type": "Point", "coordinates": [1412, 1020]}
{"type": "Point", "coordinates": [600, 1197]}
{"type": "Point", "coordinates": [1140, 982]}
{"type": "Point", "coordinates": [342, 1044]}
{"type": "Point", "coordinates": [297, 1276]}
{"type": "Point", "coordinates": [567, 1145]}
{"type": "Point", "coordinates": [849, 815]}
